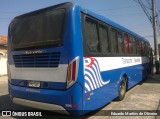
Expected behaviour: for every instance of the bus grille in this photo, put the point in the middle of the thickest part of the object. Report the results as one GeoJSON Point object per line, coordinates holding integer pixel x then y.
{"type": "Point", "coordinates": [37, 60]}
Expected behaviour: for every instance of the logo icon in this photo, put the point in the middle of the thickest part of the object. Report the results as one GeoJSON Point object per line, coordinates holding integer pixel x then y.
{"type": "Point", "coordinates": [6, 113]}
{"type": "Point", "coordinates": [92, 75]}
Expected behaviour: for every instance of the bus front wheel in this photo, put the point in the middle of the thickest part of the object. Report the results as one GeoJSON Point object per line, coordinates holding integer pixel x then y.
{"type": "Point", "coordinates": [122, 90]}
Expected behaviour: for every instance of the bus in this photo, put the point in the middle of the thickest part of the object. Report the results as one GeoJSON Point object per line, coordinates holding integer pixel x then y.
{"type": "Point", "coordinates": [70, 59]}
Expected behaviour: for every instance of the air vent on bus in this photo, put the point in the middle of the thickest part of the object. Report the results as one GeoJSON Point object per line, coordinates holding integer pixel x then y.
{"type": "Point", "coordinates": [37, 60]}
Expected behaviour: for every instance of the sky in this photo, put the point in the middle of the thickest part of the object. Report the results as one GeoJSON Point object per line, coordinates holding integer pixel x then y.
{"type": "Point", "coordinates": [127, 13]}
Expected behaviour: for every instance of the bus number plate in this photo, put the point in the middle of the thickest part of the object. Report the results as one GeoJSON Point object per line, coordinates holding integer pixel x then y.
{"type": "Point", "coordinates": [35, 84]}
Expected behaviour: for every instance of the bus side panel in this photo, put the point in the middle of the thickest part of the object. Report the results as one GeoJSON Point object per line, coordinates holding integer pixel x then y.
{"type": "Point", "coordinates": [96, 97]}
{"type": "Point", "coordinates": [138, 72]}
{"type": "Point", "coordinates": [100, 86]}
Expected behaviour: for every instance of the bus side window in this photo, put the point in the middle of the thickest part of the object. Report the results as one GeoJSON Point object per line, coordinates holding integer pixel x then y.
{"type": "Point", "coordinates": [103, 37]}
{"type": "Point", "coordinates": [126, 44]}
{"type": "Point", "coordinates": [142, 48]}
{"type": "Point", "coordinates": [114, 41]}
{"type": "Point", "coordinates": [134, 46]}
{"type": "Point", "coordinates": [130, 44]}
{"type": "Point", "coordinates": [91, 35]}
{"type": "Point", "coordinates": [120, 42]}
{"type": "Point", "coordinates": [138, 47]}
{"type": "Point", "coordinates": [147, 50]}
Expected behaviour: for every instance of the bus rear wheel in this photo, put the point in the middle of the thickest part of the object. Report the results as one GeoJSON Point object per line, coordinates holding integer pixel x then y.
{"type": "Point", "coordinates": [122, 90]}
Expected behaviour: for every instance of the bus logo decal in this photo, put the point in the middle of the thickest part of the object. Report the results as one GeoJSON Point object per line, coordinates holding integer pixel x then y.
{"type": "Point", "coordinates": [92, 75]}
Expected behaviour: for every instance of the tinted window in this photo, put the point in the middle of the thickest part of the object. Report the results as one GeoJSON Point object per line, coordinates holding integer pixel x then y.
{"type": "Point", "coordinates": [134, 46]}
{"type": "Point", "coordinates": [130, 44]}
{"type": "Point", "coordinates": [114, 41]}
{"type": "Point", "coordinates": [41, 29]}
{"type": "Point", "coordinates": [126, 44]}
{"type": "Point", "coordinates": [91, 35]}
{"type": "Point", "coordinates": [138, 47]}
{"type": "Point", "coordinates": [120, 42]}
{"type": "Point", "coordinates": [147, 49]}
{"type": "Point", "coordinates": [142, 47]}
{"type": "Point", "coordinates": [103, 37]}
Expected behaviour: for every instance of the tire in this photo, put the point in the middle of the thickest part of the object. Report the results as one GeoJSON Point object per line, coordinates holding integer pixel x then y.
{"type": "Point", "coordinates": [122, 91]}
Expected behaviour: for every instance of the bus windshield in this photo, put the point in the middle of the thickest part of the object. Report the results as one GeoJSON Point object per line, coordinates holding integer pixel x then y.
{"type": "Point", "coordinates": [38, 29]}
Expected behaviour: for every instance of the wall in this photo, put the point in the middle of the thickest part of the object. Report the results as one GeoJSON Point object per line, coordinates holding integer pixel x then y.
{"type": "Point", "coordinates": [3, 65]}
{"type": "Point", "coordinates": [3, 55]}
